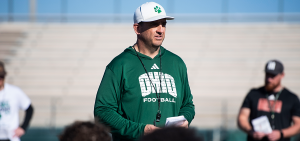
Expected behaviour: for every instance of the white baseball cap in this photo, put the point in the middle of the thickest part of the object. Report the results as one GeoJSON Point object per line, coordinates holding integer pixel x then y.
{"type": "Point", "coordinates": [150, 11]}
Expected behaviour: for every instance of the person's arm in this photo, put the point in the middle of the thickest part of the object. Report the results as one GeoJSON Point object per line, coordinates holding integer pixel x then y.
{"type": "Point", "coordinates": [287, 132]}
{"type": "Point", "coordinates": [292, 130]}
{"type": "Point", "coordinates": [243, 123]}
{"type": "Point", "coordinates": [106, 105]}
{"type": "Point", "coordinates": [187, 108]}
{"type": "Point", "coordinates": [295, 128]}
{"type": "Point", "coordinates": [243, 120]}
{"type": "Point", "coordinates": [22, 129]}
{"type": "Point", "coordinates": [28, 116]}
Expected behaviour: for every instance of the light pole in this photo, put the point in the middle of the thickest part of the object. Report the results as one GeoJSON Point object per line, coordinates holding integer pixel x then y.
{"type": "Point", "coordinates": [64, 8]}
{"type": "Point", "coordinates": [280, 10]}
{"type": "Point", "coordinates": [10, 10]}
{"type": "Point", "coordinates": [117, 10]}
{"type": "Point", "coordinates": [225, 10]}
{"type": "Point", "coordinates": [32, 10]}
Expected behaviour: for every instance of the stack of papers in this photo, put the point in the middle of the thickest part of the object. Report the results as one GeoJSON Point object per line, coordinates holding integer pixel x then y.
{"type": "Point", "coordinates": [175, 121]}
{"type": "Point", "coordinates": [262, 124]}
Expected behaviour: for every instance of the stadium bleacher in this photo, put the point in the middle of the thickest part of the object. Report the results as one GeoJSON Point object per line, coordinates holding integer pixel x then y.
{"type": "Point", "coordinates": [60, 66]}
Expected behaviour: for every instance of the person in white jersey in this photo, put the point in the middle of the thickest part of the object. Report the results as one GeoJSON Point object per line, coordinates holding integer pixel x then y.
{"type": "Point", "coordinates": [12, 99]}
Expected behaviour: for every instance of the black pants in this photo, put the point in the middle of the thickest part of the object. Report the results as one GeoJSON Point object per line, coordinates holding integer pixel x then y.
{"type": "Point", "coordinates": [5, 140]}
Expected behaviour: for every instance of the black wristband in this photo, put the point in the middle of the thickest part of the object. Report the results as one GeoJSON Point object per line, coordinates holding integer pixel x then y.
{"type": "Point", "coordinates": [281, 135]}
{"type": "Point", "coordinates": [251, 132]}
{"type": "Point", "coordinates": [27, 118]}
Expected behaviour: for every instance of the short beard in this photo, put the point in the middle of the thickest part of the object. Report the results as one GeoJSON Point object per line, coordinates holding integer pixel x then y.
{"type": "Point", "coordinates": [271, 87]}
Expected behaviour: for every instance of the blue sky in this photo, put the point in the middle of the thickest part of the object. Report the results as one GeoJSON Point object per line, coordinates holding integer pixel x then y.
{"type": "Point", "coordinates": [171, 6]}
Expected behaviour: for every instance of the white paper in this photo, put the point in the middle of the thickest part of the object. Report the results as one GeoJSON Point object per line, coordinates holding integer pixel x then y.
{"type": "Point", "coordinates": [262, 124]}
{"type": "Point", "coordinates": [175, 121]}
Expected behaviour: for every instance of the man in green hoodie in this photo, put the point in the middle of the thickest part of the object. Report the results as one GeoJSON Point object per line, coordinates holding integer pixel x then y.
{"type": "Point", "coordinates": [146, 83]}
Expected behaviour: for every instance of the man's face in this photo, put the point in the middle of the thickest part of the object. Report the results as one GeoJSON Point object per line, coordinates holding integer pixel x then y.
{"type": "Point", "coordinates": [272, 81]}
{"type": "Point", "coordinates": [153, 33]}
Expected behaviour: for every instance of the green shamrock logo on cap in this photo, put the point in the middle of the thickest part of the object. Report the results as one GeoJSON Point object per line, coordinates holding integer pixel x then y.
{"type": "Point", "coordinates": [157, 9]}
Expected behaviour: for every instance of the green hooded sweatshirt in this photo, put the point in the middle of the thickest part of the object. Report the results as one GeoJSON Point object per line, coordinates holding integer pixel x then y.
{"type": "Point", "coordinates": [126, 100]}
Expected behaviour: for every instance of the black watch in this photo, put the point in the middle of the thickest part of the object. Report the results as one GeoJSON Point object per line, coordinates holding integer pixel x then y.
{"type": "Point", "coordinates": [281, 135]}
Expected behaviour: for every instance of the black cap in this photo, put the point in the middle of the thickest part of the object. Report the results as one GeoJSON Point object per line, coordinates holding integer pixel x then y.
{"type": "Point", "coordinates": [274, 67]}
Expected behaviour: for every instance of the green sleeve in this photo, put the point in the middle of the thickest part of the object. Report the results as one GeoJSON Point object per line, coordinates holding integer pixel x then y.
{"type": "Point", "coordinates": [187, 108]}
{"type": "Point", "coordinates": [106, 105]}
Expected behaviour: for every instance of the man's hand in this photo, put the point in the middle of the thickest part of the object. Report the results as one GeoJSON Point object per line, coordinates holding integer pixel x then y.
{"type": "Point", "coordinates": [19, 132]}
{"type": "Point", "coordinates": [258, 135]}
{"type": "Point", "coordinates": [274, 136]}
{"type": "Point", "coordinates": [149, 129]}
{"type": "Point", "coordinates": [185, 124]}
